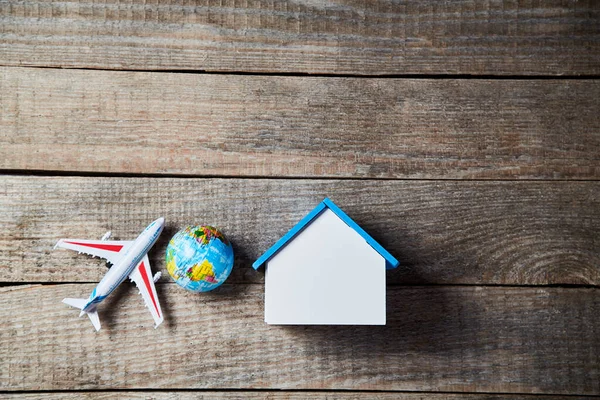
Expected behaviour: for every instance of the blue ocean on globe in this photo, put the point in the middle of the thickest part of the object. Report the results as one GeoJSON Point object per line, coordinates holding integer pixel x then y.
{"type": "Point", "coordinates": [199, 258]}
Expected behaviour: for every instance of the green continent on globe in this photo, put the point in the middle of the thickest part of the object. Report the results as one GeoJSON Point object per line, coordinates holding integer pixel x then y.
{"type": "Point", "coordinates": [199, 258]}
{"type": "Point", "coordinates": [204, 234]}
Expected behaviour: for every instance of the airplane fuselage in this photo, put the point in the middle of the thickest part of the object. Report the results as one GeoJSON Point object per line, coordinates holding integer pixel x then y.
{"type": "Point", "coordinates": [126, 264]}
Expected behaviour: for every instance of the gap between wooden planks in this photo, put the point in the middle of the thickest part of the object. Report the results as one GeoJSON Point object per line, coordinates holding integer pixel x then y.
{"type": "Point", "coordinates": [266, 394]}
{"type": "Point", "coordinates": [276, 126]}
{"type": "Point", "coordinates": [341, 37]}
{"type": "Point", "coordinates": [443, 232]}
{"type": "Point", "coordinates": [471, 339]}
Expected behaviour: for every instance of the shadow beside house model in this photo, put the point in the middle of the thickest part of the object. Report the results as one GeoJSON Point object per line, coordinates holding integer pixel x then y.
{"type": "Point", "coordinates": [424, 319]}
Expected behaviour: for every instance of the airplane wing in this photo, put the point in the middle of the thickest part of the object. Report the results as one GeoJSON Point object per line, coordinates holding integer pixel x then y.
{"type": "Point", "coordinates": [142, 276]}
{"type": "Point", "coordinates": [110, 250]}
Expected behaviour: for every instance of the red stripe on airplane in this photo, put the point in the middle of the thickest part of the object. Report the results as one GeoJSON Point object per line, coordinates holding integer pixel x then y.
{"type": "Point", "coordinates": [147, 282]}
{"type": "Point", "coordinates": [110, 247]}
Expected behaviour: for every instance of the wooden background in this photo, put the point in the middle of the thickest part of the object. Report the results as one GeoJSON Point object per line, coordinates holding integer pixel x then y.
{"type": "Point", "coordinates": [464, 136]}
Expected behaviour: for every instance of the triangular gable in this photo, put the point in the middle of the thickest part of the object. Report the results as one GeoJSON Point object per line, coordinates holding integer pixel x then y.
{"type": "Point", "coordinates": [390, 261]}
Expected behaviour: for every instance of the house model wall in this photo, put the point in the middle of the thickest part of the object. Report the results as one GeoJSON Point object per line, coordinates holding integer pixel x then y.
{"type": "Point", "coordinates": [326, 270]}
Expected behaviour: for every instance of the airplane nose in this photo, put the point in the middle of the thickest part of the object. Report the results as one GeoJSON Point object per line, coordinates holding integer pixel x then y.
{"type": "Point", "coordinates": [160, 221]}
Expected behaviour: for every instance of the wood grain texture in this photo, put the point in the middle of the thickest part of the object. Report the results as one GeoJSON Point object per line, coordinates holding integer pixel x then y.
{"type": "Point", "coordinates": [271, 395]}
{"type": "Point", "coordinates": [443, 232]}
{"type": "Point", "coordinates": [471, 339]}
{"type": "Point", "coordinates": [124, 122]}
{"type": "Point", "coordinates": [348, 36]}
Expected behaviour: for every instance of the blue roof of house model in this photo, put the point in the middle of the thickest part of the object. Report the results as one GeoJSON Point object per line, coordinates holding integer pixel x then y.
{"type": "Point", "coordinates": [390, 261]}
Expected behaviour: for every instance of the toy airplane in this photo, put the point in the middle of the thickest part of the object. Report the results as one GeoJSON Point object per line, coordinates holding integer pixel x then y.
{"type": "Point", "coordinates": [128, 259]}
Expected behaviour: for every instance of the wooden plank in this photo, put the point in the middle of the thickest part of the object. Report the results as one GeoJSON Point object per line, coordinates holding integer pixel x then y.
{"type": "Point", "coordinates": [443, 232]}
{"type": "Point", "coordinates": [438, 338]}
{"type": "Point", "coordinates": [349, 37]}
{"type": "Point", "coordinates": [124, 122]}
{"type": "Point", "coordinates": [272, 395]}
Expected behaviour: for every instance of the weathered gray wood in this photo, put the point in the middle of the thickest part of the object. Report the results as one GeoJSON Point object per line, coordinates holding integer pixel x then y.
{"type": "Point", "coordinates": [272, 395]}
{"type": "Point", "coordinates": [450, 232]}
{"type": "Point", "coordinates": [373, 37]}
{"type": "Point", "coordinates": [128, 122]}
{"type": "Point", "coordinates": [471, 339]}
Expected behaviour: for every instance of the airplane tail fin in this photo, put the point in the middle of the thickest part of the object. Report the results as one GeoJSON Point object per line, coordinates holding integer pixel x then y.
{"type": "Point", "coordinates": [94, 318]}
{"type": "Point", "coordinates": [81, 303]}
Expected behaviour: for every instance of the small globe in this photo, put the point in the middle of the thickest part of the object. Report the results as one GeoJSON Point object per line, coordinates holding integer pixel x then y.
{"type": "Point", "coordinates": [199, 258]}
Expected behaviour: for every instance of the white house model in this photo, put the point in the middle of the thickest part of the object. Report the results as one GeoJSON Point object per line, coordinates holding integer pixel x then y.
{"type": "Point", "coordinates": [325, 270]}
